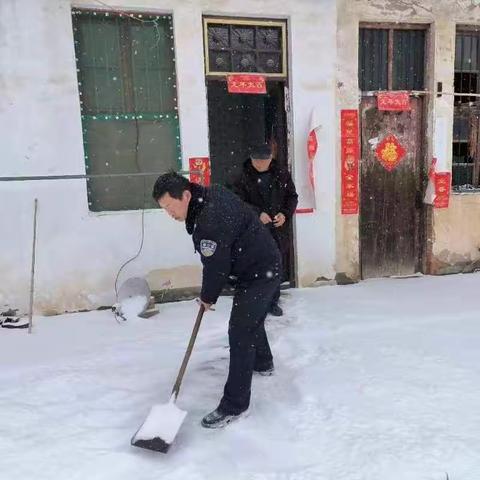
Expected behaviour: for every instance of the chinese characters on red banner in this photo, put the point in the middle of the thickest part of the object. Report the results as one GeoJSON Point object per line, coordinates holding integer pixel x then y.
{"type": "Point", "coordinates": [390, 152]}
{"type": "Point", "coordinates": [443, 181]}
{"type": "Point", "coordinates": [393, 101]}
{"type": "Point", "coordinates": [200, 170]}
{"type": "Point", "coordinates": [246, 84]}
{"type": "Point", "coordinates": [350, 161]}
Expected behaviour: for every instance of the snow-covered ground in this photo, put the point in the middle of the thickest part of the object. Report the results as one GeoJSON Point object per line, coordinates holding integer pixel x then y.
{"type": "Point", "coordinates": [379, 380]}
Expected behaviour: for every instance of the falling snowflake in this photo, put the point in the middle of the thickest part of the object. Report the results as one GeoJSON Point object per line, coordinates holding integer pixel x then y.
{"type": "Point", "coordinates": [269, 274]}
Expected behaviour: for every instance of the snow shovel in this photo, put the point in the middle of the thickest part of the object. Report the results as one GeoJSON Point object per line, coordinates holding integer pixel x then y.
{"type": "Point", "coordinates": [164, 420]}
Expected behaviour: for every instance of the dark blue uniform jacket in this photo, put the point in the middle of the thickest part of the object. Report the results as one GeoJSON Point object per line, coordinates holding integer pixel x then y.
{"type": "Point", "coordinates": [231, 240]}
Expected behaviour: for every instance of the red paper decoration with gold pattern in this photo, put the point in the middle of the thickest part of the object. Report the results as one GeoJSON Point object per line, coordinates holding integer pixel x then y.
{"type": "Point", "coordinates": [389, 152]}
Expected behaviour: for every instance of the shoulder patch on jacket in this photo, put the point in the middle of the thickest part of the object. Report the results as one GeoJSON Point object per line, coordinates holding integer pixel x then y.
{"type": "Point", "coordinates": [207, 247]}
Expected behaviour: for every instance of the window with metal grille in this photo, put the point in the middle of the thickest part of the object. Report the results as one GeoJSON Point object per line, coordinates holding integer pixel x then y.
{"type": "Point", "coordinates": [245, 46]}
{"type": "Point", "coordinates": [127, 87]}
{"type": "Point", "coordinates": [391, 58]}
{"type": "Point", "coordinates": [466, 123]}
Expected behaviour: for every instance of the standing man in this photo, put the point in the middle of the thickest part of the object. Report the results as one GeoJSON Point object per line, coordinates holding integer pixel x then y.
{"type": "Point", "coordinates": [232, 242]}
{"type": "Point", "coordinates": [269, 189]}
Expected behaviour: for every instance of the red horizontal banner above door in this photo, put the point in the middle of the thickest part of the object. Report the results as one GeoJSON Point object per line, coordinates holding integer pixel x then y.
{"type": "Point", "coordinates": [246, 84]}
{"type": "Point", "coordinates": [393, 101]}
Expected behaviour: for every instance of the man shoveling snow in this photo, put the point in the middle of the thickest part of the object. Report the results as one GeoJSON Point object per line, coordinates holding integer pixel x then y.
{"type": "Point", "coordinates": [232, 243]}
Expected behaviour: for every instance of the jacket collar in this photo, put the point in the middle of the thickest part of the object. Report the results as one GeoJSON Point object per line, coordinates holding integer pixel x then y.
{"type": "Point", "coordinates": [197, 202]}
{"type": "Point", "coordinates": [249, 169]}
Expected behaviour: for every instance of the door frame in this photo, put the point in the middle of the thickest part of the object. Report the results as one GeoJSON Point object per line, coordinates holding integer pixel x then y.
{"type": "Point", "coordinates": [284, 77]}
{"type": "Point", "coordinates": [425, 234]}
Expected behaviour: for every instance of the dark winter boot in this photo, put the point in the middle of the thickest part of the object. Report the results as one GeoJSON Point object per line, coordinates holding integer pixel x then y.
{"type": "Point", "coordinates": [276, 310]}
{"type": "Point", "coordinates": [218, 419]}
{"type": "Point", "coordinates": [265, 373]}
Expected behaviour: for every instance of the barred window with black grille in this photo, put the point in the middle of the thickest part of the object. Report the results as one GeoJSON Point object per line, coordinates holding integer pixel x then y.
{"type": "Point", "coordinates": [466, 124]}
{"type": "Point", "coordinates": [128, 98]}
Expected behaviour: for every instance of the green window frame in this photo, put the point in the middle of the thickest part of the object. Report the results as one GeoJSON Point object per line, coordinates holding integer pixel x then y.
{"type": "Point", "coordinates": [128, 98]}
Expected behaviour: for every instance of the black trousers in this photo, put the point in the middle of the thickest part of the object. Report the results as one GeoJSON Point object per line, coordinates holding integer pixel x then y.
{"type": "Point", "coordinates": [276, 296]}
{"type": "Point", "coordinates": [283, 247]}
{"type": "Point", "coordinates": [249, 348]}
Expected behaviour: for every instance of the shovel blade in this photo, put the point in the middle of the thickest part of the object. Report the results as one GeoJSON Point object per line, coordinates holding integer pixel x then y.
{"type": "Point", "coordinates": [159, 428]}
{"type": "Point", "coordinates": [155, 444]}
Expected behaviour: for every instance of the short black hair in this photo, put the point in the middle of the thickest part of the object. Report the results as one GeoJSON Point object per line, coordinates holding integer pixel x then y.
{"type": "Point", "coordinates": [171, 183]}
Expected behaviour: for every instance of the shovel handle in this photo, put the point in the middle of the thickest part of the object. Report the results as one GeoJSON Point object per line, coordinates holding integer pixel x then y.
{"type": "Point", "coordinates": [176, 387]}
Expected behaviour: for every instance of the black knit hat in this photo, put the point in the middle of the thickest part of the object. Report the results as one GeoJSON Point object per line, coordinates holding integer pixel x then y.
{"type": "Point", "coordinates": [261, 151]}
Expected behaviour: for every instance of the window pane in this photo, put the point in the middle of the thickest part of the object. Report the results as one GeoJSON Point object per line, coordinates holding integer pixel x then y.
{"type": "Point", "coordinates": [462, 169]}
{"type": "Point", "coordinates": [98, 60]}
{"type": "Point", "coordinates": [408, 59]}
{"type": "Point", "coordinates": [462, 176]}
{"type": "Point", "coordinates": [373, 59]}
{"type": "Point", "coordinates": [465, 82]}
{"type": "Point", "coordinates": [152, 60]}
{"type": "Point", "coordinates": [111, 149]}
{"type": "Point", "coordinates": [467, 51]}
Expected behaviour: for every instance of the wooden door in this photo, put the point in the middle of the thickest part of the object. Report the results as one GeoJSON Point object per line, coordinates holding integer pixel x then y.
{"type": "Point", "coordinates": [392, 218]}
{"type": "Point", "coordinates": [391, 192]}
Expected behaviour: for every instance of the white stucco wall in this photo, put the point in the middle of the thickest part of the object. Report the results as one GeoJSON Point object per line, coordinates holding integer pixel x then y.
{"type": "Point", "coordinates": [79, 252]}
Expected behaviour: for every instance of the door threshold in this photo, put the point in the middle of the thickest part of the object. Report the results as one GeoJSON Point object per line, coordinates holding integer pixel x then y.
{"type": "Point", "coordinates": [411, 275]}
